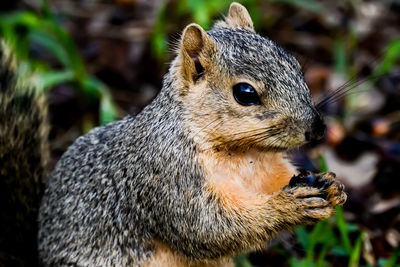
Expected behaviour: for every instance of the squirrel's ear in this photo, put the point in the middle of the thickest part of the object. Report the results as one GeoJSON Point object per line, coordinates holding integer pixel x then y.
{"type": "Point", "coordinates": [238, 16]}
{"type": "Point", "coordinates": [196, 47]}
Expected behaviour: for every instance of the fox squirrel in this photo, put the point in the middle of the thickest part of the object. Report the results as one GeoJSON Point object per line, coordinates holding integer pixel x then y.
{"type": "Point", "coordinates": [201, 174]}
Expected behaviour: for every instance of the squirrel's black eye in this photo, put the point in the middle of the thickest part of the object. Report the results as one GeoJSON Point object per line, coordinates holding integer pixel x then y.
{"type": "Point", "coordinates": [245, 94]}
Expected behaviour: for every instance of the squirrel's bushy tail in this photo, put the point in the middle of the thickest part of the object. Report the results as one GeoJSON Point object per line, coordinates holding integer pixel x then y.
{"type": "Point", "coordinates": [23, 159]}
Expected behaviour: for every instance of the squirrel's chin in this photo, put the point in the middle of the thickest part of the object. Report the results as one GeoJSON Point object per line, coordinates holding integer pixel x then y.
{"type": "Point", "coordinates": [275, 149]}
{"type": "Point", "coordinates": [286, 148]}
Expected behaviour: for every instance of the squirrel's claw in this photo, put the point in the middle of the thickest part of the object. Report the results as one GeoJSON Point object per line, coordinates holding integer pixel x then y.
{"type": "Point", "coordinates": [316, 201]}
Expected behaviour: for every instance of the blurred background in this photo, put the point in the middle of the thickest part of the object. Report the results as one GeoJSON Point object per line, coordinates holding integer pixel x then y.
{"type": "Point", "coordinates": [99, 60]}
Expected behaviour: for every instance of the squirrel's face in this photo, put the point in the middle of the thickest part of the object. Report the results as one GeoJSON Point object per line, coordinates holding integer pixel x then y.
{"type": "Point", "coordinates": [243, 91]}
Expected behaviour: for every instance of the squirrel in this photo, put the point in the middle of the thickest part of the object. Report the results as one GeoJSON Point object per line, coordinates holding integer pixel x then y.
{"type": "Point", "coordinates": [202, 173]}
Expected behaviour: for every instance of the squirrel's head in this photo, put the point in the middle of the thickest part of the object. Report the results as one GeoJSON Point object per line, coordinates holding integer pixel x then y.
{"type": "Point", "coordinates": [240, 90]}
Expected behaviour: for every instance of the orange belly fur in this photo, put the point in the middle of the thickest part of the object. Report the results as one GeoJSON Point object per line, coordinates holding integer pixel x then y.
{"type": "Point", "coordinates": [239, 177]}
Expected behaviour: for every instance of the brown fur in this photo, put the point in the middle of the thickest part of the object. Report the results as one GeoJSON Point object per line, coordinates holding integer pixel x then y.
{"type": "Point", "coordinates": [238, 16]}
{"type": "Point", "coordinates": [166, 257]}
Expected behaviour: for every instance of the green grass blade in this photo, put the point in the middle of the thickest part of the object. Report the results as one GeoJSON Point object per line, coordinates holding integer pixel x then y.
{"type": "Point", "coordinates": [341, 223]}
{"type": "Point", "coordinates": [51, 78]}
{"type": "Point", "coordinates": [108, 110]}
{"type": "Point", "coordinates": [322, 164]}
{"type": "Point", "coordinates": [45, 40]}
{"type": "Point", "coordinates": [159, 36]}
{"type": "Point", "coordinates": [75, 60]}
{"type": "Point", "coordinates": [356, 252]}
{"type": "Point", "coordinates": [390, 58]}
{"type": "Point", "coordinates": [393, 259]}
{"type": "Point", "coordinates": [340, 56]}
{"type": "Point", "coordinates": [302, 236]}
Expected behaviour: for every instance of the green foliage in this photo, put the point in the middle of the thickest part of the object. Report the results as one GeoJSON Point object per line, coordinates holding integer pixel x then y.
{"type": "Point", "coordinates": [23, 29]}
{"type": "Point", "coordinates": [322, 164]}
{"type": "Point", "coordinates": [340, 56]}
{"type": "Point", "coordinates": [391, 57]}
{"type": "Point", "coordinates": [159, 36]}
{"type": "Point", "coordinates": [204, 12]}
{"type": "Point", "coordinates": [322, 240]}
{"type": "Point", "coordinates": [199, 11]}
{"type": "Point", "coordinates": [392, 261]}
{"type": "Point", "coordinates": [310, 5]}
{"type": "Point", "coordinates": [242, 261]}
{"type": "Point", "coordinates": [327, 239]}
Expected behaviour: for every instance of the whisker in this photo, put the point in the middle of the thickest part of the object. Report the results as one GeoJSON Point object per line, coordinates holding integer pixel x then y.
{"type": "Point", "coordinates": [215, 127]}
{"type": "Point", "coordinates": [339, 91]}
{"type": "Point", "coordinates": [240, 139]}
{"type": "Point", "coordinates": [249, 131]}
{"type": "Point", "coordinates": [208, 125]}
{"type": "Point", "coordinates": [352, 83]}
{"type": "Point", "coordinates": [265, 135]}
{"type": "Point", "coordinates": [263, 138]}
{"type": "Point", "coordinates": [343, 91]}
{"type": "Point", "coordinates": [334, 100]}
{"type": "Point", "coordinates": [271, 144]}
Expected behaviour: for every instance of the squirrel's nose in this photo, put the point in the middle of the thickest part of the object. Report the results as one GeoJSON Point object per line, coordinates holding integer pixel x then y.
{"type": "Point", "coordinates": [317, 130]}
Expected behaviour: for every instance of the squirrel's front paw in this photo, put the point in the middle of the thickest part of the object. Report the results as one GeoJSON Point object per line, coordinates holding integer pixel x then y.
{"type": "Point", "coordinates": [314, 196]}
